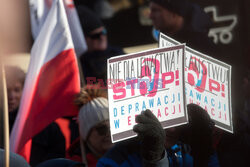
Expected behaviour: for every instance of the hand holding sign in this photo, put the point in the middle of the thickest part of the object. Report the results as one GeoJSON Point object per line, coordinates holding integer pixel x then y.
{"type": "Point", "coordinates": [198, 133]}
{"type": "Point", "coordinates": [151, 134]}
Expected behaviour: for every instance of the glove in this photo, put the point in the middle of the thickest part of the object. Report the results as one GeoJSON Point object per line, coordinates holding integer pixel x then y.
{"type": "Point", "coordinates": [151, 135]}
{"type": "Point", "coordinates": [199, 129]}
{"type": "Point", "coordinates": [198, 133]}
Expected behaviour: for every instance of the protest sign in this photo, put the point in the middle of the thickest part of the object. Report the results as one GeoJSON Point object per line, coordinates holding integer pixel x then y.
{"type": "Point", "coordinates": [207, 83]}
{"type": "Point", "coordinates": [153, 80]}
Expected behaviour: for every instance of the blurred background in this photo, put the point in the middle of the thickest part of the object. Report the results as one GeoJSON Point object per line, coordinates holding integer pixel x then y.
{"type": "Point", "coordinates": [129, 27]}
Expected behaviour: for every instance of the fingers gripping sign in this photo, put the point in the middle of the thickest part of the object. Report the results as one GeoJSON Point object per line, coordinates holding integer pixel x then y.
{"type": "Point", "coordinates": [151, 135]}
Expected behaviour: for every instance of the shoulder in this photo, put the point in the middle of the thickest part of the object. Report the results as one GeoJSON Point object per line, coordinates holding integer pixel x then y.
{"type": "Point", "coordinates": [122, 154]}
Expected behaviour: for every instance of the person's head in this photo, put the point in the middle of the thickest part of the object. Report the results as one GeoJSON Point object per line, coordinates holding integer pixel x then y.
{"type": "Point", "coordinates": [15, 77]}
{"type": "Point", "coordinates": [168, 15]}
{"type": "Point", "coordinates": [94, 119]}
{"type": "Point", "coordinates": [93, 29]}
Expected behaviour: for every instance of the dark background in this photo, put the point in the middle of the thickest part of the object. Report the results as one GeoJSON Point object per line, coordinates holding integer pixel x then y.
{"type": "Point", "coordinates": [125, 30]}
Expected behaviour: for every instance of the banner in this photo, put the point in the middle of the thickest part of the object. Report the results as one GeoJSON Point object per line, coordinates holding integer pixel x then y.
{"type": "Point", "coordinates": [152, 80]}
{"type": "Point", "coordinates": [207, 83]}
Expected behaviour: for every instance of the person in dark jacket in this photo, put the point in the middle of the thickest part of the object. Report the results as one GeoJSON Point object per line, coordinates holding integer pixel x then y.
{"type": "Point", "coordinates": [184, 21]}
{"type": "Point", "coordinates": [157, 147]}
{"type": "Point", "coordinates": [94, 61]}
{"type": "Point", "coordinates": [48, 144]}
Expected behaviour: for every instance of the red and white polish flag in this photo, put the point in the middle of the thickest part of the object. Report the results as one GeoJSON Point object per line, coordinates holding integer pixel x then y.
{"type": "Point", "coordinates": [51, 83]}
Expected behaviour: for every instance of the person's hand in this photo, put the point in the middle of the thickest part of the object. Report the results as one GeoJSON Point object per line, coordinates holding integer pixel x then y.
{"type": "Point", "coordinates": [151, 135]}
{"type": "Point", "coordinates": [198, 133]}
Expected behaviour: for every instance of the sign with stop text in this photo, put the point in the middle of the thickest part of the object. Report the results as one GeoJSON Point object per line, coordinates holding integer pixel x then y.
{"type": "Point", "coordinates": [207, 83]}
{"type": "Point", "coordinates": [152, 80]}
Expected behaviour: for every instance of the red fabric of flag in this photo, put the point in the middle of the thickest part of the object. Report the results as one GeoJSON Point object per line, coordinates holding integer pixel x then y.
{"type": "Point", "coordinates": [51, 83]}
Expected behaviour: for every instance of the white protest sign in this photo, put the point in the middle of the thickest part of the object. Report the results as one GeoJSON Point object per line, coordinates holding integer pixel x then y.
{"type": "Point", "coordinates": [152, 80]}
{"type": "Point", "coordinates": [207, 83]}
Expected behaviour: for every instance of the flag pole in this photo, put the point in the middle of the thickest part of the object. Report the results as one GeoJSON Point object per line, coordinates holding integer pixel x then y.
{"type": "Point", "coordinates": [5, 118]}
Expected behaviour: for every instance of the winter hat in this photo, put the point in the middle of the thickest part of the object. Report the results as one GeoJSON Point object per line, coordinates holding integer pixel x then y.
{"type": "Point", "coordinates": [93, 111]}
{"type": "Point", "coordinates": [180, 7]}
{"type": "Point", "coordinates": [88, 19]}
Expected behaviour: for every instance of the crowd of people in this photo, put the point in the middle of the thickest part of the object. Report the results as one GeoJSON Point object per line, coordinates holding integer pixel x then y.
{"type": "Point", "coordinates": [198, 143]}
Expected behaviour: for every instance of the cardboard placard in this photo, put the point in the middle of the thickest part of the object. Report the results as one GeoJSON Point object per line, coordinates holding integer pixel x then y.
{"type": "Point", "coordinates": [207, 83]}
{"type": "Point", "coordinates": [152, 80]}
